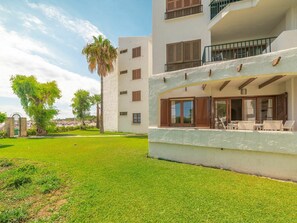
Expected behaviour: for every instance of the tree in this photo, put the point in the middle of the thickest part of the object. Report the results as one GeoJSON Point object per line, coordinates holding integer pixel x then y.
{"type": "Point", "coordinates": [2, 117]}
{"type": "Point", "coordinates": [97, 101]}
{"type": "Point", "coordinates": [81, 105]}
{"type": "Point", "coordinates": [100, 55]}
{"type": "Point", "coordinates": [37, 100]}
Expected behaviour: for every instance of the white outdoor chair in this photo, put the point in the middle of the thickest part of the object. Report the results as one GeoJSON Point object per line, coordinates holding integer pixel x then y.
{"type": "Point", "coordinates": [272, 125]}
{"type": "Point", "coordinates": [223, 123]}
{"type": "Point", "coordinates": [289, 124]}
{"type": "Point", "coordinates": [246, 125]}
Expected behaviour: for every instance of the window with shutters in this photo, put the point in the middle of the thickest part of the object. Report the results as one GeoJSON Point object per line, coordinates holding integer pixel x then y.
{"type": "Point", "coordinates": [136, 74]}
{"type": "Point", "coordinates": [136, 96]}
{"type": "Point", "coordinates": [183, 55]}
{"type": "Point", "coordinates": [182, 112]}
{"type": "Point", "coordinates": [123, 92]}
{"type": "Point", "coordinates": [123, 113]}
{"type": "Point", "coordinates": [124, 51]}
{"type": "Point", "coordinates": [179, 8]}
{"type": "Point", "coordinates": [136, 118]}
{"type": "Point", "coordinates": [123, 72]}
{"type": "Point", "coordinates": [136, 52]}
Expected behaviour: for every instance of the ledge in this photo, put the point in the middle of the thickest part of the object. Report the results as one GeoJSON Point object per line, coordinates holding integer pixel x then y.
{"type": "Point", "coordinates": [258, 141]}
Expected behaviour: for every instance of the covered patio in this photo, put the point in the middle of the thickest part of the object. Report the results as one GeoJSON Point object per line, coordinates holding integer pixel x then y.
{"type": "Point", "coordinates": [196, 115]}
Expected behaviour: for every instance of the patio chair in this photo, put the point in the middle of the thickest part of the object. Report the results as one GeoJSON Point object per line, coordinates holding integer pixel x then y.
{"type": "Point", "coordinates": [246, 125]}
{"type": "Point", "coordinates": [272, 125]}
{"type": "Point", "coordinates": [222, 123]}
{"type": "Point", "coordinates": [289, 124]}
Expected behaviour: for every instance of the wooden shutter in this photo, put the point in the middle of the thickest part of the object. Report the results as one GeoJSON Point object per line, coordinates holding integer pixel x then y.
{"type": "Point", "coordinates": [196, 2]}
{"type": "Point", "coordinates": [136, 52]}
{"type": "Point", "coordinates": [187, 3]}
{"type": "Point", "coordinates": [170, 53]}
{"type": "Point", "coordinates": [136, 74]}
{"type": "Point", "coordinates": [196, 49]}
{"type": "Point", "coordinates": [202, 112]}
{"type": "Point", "coordinates": [136, 96]}
{"type": "Point", "coordinates": [179, 52]}
{"type": "Point", "coordinates": [178, 4]}
{"type": "Point", "coordinates": [165, 113]}
{"type": "Point", "coordinates": [188, 51]}
{"type": "Point", "coordinates": [282, 107]}
{"type": "Point", "coordinates": [170, 5]}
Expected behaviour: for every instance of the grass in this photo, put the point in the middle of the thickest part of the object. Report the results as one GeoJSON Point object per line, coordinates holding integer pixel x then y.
{"type": "Point", "coordinates": [87, 132]}
{"type": "Point", "coordinates": [112, 180]}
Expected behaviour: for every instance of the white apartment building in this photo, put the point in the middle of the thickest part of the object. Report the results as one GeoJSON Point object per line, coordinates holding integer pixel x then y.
{"type": "Point", "coordinates": [224, 85]}
{"type": "Point", "coordinates": [126, 89]}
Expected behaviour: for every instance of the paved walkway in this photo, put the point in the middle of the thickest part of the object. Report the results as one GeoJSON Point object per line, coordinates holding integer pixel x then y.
{"type": "Point", "coordinates": [85, 136]}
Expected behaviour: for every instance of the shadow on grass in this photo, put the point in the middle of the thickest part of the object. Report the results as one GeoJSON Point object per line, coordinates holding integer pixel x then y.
{"type": "Point", "coordinates": [136, 137]}
{"type": "Point", "coordinates": [5, 146]}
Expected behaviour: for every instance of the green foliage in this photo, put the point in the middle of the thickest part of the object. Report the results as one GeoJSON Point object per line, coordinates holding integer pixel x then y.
{"type": "Point", "coordinates": [2, 117]}
{"type": "Point", "coordinates": [37, 99]}
{"type": "Point", "coordinates": [13, 216]}
{"type": "Point", "coordinates": [28, 168]}
{"type": "Point", "coordinates": [5, 163]}
{"type": "Point", "coordinates": [49, 183]}
{"type": "Point", "coordinates": [31, 132]}
{"type": "Point", "coordinates": [96, 99]}
{"type": "Point", "coordinates": [19, 182]}
{"type": "Point", "coordinates": [3, 134]}
{"type": "Point", "coordinates": [81, 105]}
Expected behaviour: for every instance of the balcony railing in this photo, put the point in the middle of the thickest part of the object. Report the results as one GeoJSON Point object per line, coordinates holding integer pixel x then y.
{"type": "Point", "coordinates": [218, 5]}
{"type": "Point", "coordinates": [184, 65]}
{"type": "Point", "coordinates": [184, 12]}
{"type": "Point", "coordinates": [236, 50]}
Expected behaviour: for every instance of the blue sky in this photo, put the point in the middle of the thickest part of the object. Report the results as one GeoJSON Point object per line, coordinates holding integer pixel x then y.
{"type": "Point", "coordinates": [45, 38]}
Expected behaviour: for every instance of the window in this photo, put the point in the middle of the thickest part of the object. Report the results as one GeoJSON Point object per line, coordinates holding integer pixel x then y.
{"type": "Point", "coordinates": [136, 96]}
{"type": "Point", "coordinates": [136, 118]}
{"type": "Point", "coordinates": [123, 113]}
{"type": "Point", "coordinates": [123, 92]}
{"type": "Point", "coordinates": [124, 51]}
{"type": "Point", "coordinates": [265, 109]}
{"type": "Point", "coordinates": [136, 52]}
{"type": "Point", "coordinates": [182, 113]}
{"type": "Point", "coordinates": [179, 8]}
{"type": "Point", "coordinates": [136, 74]}
{"type": "Point", "coordinates": [123, 72]}
{"type": "Point", "coordinates": [183, 55]}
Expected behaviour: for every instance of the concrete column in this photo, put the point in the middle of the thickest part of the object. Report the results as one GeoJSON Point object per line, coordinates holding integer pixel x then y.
{"type": "Point", "coordinates": [9, 126]}
{"type": "Point", "coordinates": [23, 127]}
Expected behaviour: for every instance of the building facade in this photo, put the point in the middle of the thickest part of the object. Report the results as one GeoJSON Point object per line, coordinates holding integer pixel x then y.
{"type": "Point", "coordinates": [126, 89]}
{"type": "Point", "coordinates": [220, 67]}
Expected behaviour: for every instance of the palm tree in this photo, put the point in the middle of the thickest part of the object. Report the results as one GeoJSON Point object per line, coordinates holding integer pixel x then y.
{"type": "Point", "coordinates": [97, 101]}
{"type": "Point", "coordinates": [100, 55]}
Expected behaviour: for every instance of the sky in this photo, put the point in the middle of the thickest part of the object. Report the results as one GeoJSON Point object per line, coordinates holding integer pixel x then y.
{"type": "Point", "coordinates": [45, 39]}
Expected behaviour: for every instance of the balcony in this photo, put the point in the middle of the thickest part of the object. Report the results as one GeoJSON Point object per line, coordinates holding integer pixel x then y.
{"type": "Point", "coordinates": [218, 5]}
{"type": "Point", "coordinates": [236, 50]}
{"type": "Point", "coordinates": [183, 65]}
{"type": "Point", "coordinates": [183, 12]}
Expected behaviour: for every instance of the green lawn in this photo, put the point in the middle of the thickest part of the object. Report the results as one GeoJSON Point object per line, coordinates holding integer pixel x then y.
{"type": "Point", "coordinates": [87, 132]}
{"type": "Point", "coordinates": [112, 180]}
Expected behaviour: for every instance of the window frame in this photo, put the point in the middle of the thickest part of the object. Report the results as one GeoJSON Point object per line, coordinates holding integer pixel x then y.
{"type": "Point", "coordinates": [136, 118]}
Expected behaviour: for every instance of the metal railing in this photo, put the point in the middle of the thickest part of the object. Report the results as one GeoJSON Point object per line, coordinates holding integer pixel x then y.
{"type": "Point", "coordinates": [236, 50]}
{"type": "Point", "coordinates": [218, 5]}
{"type": "Point", "coordinates": [183, 65]}
{"type": "Point", "coordinates": [184, 12]}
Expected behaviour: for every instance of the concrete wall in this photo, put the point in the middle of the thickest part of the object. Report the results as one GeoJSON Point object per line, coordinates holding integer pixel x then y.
{"type": "Point", "coordinates": [125, 103]}
{"type": "Point", "coordinates": [110, 100]}
{"type": "Point", "coordinates": [176, 30]}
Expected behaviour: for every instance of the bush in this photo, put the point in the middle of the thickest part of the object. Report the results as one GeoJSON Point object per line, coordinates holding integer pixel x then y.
{"type": "Point", "coordinates": [49, 183]}
{"type": "Point", "coordinates": [19, 182]}
{"type": "Point", "coordinates": [5, 163]}
{"type": "Point", "coordinates": [28, 168]}
{"type": "Point", "coordinates": [3, 134]}
{"type": "Point", "coordinates": [13, 216]}
{"type": "Point", "coordinates": [31, 132]}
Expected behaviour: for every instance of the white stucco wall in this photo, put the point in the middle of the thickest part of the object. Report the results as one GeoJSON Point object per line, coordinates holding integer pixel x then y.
{"type": "Point", "coordinates": [125, 83]}
{"type": "Point", "coordinates": [110, 100]}
{"type": "Point", "coordinates": [176, 30]}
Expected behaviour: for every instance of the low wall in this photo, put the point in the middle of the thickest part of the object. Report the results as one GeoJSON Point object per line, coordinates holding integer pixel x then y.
{"type": "Point", "coordinates": [271, 154]}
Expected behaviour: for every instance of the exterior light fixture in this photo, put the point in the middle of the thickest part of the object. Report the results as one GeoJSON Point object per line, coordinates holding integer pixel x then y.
{"type": "Point", "coordinates": [243, 91]}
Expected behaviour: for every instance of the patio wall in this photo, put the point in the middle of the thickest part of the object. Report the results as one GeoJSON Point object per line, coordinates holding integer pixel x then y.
{"type": "Point", "coordinates": [271, 154]}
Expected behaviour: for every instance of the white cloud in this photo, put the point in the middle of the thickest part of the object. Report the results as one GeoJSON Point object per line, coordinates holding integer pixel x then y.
{"type": "Point", "coordinates": [83, 28]}
{"type": "Point", "coordinates": [33, 23]}
{"type": "Point", "coordinates": [19, 55]}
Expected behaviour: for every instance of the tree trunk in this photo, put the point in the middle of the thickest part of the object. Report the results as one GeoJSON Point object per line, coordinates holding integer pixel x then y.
{"type": "Point", "coordinates": [40, 131]}
{"type": "Point", "coordinates": [98, 118]}
{"type": "Point", "coordinates": [101, 108]}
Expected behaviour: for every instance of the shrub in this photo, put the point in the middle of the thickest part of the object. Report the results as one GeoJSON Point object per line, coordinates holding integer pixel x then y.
{"type": "Point", "coordinates": [3, 134]}
{"type": "Point", "coordinates": [31, 132]}
{"type": "Point", "coordinates": [49, 183]}
{"type": "Point", "coordinates": [5, 163]}
{"type": "Point", "coordinates": [19, 182]}
{"type": "Point", "coordinates": [13, 216]}
{"type": "Point", "coordinates": [28, 168]}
